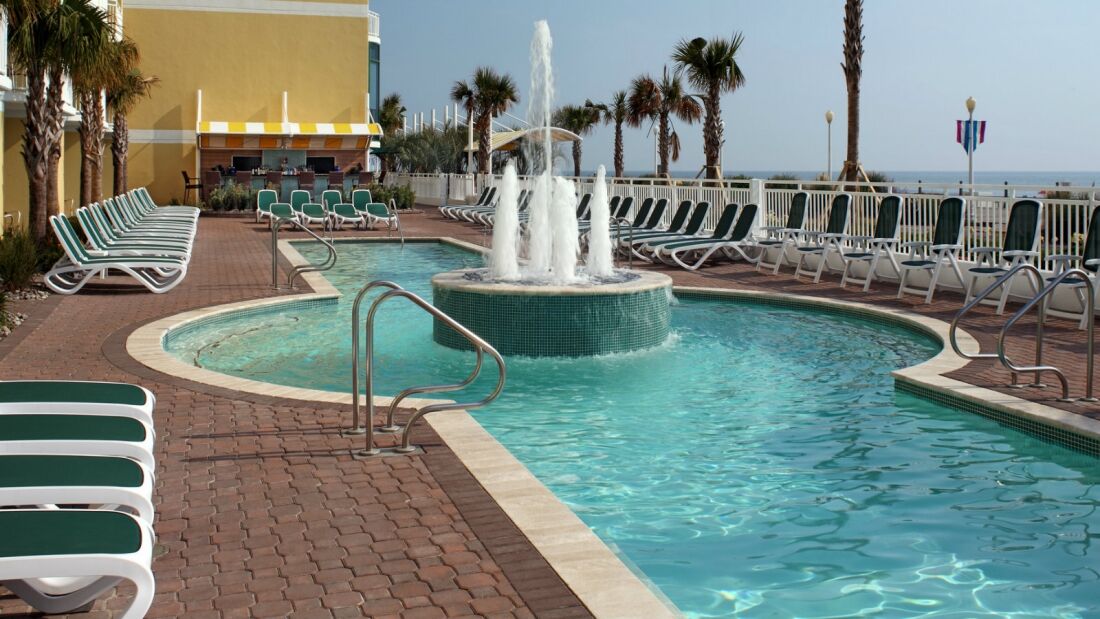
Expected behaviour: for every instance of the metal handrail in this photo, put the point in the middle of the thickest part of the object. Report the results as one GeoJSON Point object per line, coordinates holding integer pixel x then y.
{"type": "Point", "coordinates": [356, 425]}
{"type": "Point", "coordinates": [480, 346]}
{"type": "Point", "coordinates": [981, 296]}
{"type": "Point", "coordinates": [297, 271]}
{"type": "Point", "coordinates": [1040, 300]}
{"type": "Point", "coordinates": [397, 221]}
{"type": "Point", "coordinates": [618, 221]}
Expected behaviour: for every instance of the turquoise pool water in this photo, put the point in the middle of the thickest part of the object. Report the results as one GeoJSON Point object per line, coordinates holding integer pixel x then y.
{"type": "Point", "coordinates": [759, 464]}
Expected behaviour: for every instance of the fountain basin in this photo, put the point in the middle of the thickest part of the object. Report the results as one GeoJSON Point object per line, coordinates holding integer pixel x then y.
{"type": "Point", "coordinates": [630, 312]}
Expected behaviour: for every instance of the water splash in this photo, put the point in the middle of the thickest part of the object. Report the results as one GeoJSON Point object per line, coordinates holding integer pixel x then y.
{"type": "Point", "coordinates": [504, 260]}
{"type": "Point", "coordinates": [538, 229]}
{"type": "Point", "coordinates": [600, 261]}
{"type": "Point", "coordinates": [563, 225]}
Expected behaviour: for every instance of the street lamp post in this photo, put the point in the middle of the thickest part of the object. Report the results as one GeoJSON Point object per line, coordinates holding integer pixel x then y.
{"type": "Point", "coordinates": [829, 124]}
{"type": "Point", "coordinates": [970, 105]}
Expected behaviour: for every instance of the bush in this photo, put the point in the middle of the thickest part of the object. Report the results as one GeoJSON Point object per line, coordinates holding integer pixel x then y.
{"type": "Point", "coordinates": [231, 197]}
{"type": "Point", "coordinates": [403, 197]}
{"type": "Point", "coordinates": [19, 260]}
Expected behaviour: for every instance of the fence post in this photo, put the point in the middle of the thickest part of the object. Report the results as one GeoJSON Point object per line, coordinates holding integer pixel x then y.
{"type": "Point", "coordinates": [756, 196]}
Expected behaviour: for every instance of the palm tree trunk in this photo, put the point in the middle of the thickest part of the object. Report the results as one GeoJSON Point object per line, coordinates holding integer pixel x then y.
{"type": "Point", "coordinates": [483, 144]}
{"type": "Point", "coordinates": [577, 158]}
{"type": "Point", "coordinates": [619, 150]}
{"type": "Point", "coordinates": [120, 144]}
{"type": "Point", "coordinates": [99, 131]}
{"type": "Point", "coordinates": [55, 120]}
{"type": "Point", "coordinates": [851, 159]}
{"type": "Point", "coordinates": [853, 70]}
{"type": "Point", "coordinates": [36, 148]}
{"type": "Point", "coordinates": [662, 144]}
{"type": "Point", "coordinates": [87, 138]}
{"type": "Point", "coordinates": [712, 130]}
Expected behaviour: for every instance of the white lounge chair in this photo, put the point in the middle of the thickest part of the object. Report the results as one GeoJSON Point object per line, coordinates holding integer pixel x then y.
{"type": "Point", "coordinates": [1020, 244]}
{"type": "Point", "coordinates": [942, 251]}
{"type": "Point", "coordinates": [871, 249]}
{"type": "Point", "coordinates": [829, 241]}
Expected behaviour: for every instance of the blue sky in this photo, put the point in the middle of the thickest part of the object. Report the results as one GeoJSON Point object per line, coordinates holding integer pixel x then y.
{"type": "Point", "coordinates": [1030, 65]}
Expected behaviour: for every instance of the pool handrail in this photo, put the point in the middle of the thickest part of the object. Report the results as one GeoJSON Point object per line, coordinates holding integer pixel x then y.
{"type": "Point", "coordinates": [1040, 299]}
{"type": "Point", "coordinates": [356, 424]}
{"type": "Point", "coordinates": [297, 271]}
{"type": "Point", "coordinates": [479, 345]}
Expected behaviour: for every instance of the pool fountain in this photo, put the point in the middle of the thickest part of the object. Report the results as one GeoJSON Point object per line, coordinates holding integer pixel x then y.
{"type": "Point", "coordinates": [547, 305]}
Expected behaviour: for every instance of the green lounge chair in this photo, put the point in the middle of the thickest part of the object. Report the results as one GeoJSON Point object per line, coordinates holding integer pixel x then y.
{"type": "Point", "coordinates": [691, 231]}
{"type": "Point", "coordinates": [77, 397]}
{"type": "Point", "coordinates": [871, 249]}
{"type": "Point", "coordinates": [942, 251]}
{"type": "Point", "coordinates": [77, 266]}
{"type": "Point", "coordinates": [1088, 261]}
{"type": "Point", "coordinates": [782, 237]}
{"type": "Point", "coordinates": [821, 244]}
{"type": "Point", "coordinates": [264, 199]}
{"type": "Point", "coordinates": [731, 244]}
{"type": "Point", "coordinates": [68, 434]}
{"type": "Point", "coordinates": [45, 479]}
{"type": "Point", "coordinates": [64, 559]}
{"type": "Point", "coordinates": [298, 198]}
{"type": "Point", "coordinates": [1020, 245]}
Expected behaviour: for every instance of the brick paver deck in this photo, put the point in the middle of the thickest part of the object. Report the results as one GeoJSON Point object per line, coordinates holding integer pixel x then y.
{"type": "Point", "coordinates": [261, 511]}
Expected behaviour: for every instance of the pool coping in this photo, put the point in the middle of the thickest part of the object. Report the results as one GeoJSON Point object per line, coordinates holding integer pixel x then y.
{"type": "Point", "coordinates": [588, 566]}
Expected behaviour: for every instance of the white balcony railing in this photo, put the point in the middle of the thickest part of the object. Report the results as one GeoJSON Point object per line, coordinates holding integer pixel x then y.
{"type": "Point", "coordinates": [114, 17]}
{"type": "Point", "coordinates": [374, 26]}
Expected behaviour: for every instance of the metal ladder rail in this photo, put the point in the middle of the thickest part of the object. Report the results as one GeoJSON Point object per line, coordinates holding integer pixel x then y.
{"type": "Point", "coordinates": [480, 347]}
{"type": "Point", "coordinates": [297, 271]}
{"type": "Point", "coordinates": [999, 282]}
{"type": "Point", "coordinates": [619, 221]}
{"type": "Point", "coordinates": [1040, 300]}
{"type": "Point", "coordinates": [397, 222]}
{"type": "Point", "coordinates": [356, 424]}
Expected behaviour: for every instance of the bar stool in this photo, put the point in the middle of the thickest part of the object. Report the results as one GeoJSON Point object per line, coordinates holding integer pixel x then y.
{"type": "Point", "coordinates": [190, 185]}
{"type": "Point", "coordinates": [336, 181]}
{"type": "Point", "coordinates": [306, 181]}
{"type": "Point", "coordinates": [274, 177]}
{"type": "Point", "coordinates": [244, 179]}
{"type": "Point", "coordinates": [366, 178]}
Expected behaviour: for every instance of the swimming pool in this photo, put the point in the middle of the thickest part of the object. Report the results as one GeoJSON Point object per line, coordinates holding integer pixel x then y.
{"type": "Point", "coordinates": [759, 463]}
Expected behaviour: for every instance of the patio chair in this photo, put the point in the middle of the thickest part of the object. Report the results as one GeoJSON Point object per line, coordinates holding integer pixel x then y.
{"type": "Point", "coordinates": [211, 180]}
{"type": "Point", "coordinates": [691, 230]}
{"type": "Point", "coordinates": [243, 178]}
{"type": "Point", "coordinates": [486, 216]}
{"type": "Point", "coordinates": [733, 244]}
{"type": "Point", "coordinates": [662, 250]}
{"type": "Point", "coordinates": [942, 251]}
{"type": "Point", "coordinates": [306, 182]}
{"type": "Point", "coordinates": [77, 397]}
{"type": "Point", "coordinates": [298, 198]}
{"type": "Point", "coordinates": [314, 213]}
{"type": "Point", "coordinates": [93, 215]}
{"type": "Point", "coordinates": [780, 238]}
{"type": "Point", "coordinates": [141, 194]}
{"type": "Point", "coordinates": [871, 249]}
{"type": "Point", "coordinates": [264, 199]}
{"type": "Point", "coordinates": [191, 186]}
{"type": "Point", "coordinates": [1088, 261]}
{"type": "Point", "coordinates": [335, 181]}
{"type": "Point", "coordinates": [98, 242]}
{"type": "Point", "coordinates": [63, 479]}
{"type": "Point", "coordinates": [77, 266]}
{"type": "Point", "coordinates": [821, 244]}
{"type": "Point", "coordinates": [617, 206]}
{"type": "Point", "coordinates": [73, 556]}
{"type": "Point", "coordinates": [1020, 244]}
{"type": "Point", "coordinates": [341, 212]}
{"type": "Point", "coordinates": [447, 209]}
{"type": "Point", "coordinates": [61, 433]}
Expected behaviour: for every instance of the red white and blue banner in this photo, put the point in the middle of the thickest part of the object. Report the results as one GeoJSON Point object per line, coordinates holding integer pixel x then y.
{"type": "Point", "coordinates": [970, 133]}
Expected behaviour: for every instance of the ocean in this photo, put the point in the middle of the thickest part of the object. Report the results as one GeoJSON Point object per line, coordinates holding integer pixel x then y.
{"type": "Point", "coordinates": [1077, 179]}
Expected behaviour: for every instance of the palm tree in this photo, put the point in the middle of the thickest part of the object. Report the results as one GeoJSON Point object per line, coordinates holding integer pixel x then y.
{"type": "Point", "coordinates": [121, 100]}
{"type": "Point", "coordinates": [853, 71]}
{"type": "Point", "coordinates": [711, 66]}
{"type": "Point", "coordinates": [101, 70]}
{"type": "Point", "coordinates": [462, 93]}
{"type": "Point", "coordinates": [494, 93]}
{"type": "Point", "coordinates": [392, 118]}
{"type": "Point", "coordinates": [48, 39]}
{"type": "Point", "coordinates": [580, 119]}
{"type": "Point", "coordinates": [615, 113]}
{"type": "Point", "coordinates": [659, 101]}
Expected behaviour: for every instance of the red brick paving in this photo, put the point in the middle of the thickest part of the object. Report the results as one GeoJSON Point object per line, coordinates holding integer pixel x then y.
{"type": "Point", "coordinates": [262, 512]}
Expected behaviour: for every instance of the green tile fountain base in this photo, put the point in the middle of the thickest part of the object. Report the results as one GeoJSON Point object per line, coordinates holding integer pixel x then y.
{"type": "Point", "coordinates": [552, 320]}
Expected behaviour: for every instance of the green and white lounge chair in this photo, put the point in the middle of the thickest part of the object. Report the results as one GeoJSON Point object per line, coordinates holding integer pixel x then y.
{"type": "Point", "coordinates": [942, 251]}
{"type": "Point", "coordinates": [663, 250]}
{"type": "Point", "coordinates": [871, 249]}
{"type": "Point", "coordinates": [1020, 245]}
{"type": "Point", "coordinates": [298, 198]}
{"type": "Point", "coordinates": [1088, 261]}
{"type": "Point", "coordinates": [47, 479]}
{"type": "Point", "coordinates": [448, 210]}
{"type": "Point", "coordinates": [103, 222]}
{"type": "Point", "coordinates": [99, 243]}
{"type": "Point", "coordinates": [615, 209]}
{"type": "Point", "coordinates": [487, 201]}
{"type": "Point", "coordinates": [63, 559]}
{"type": "Point", "coordinates": [782, 237]}
{"type": "Point", "coordinates": [339, 211]}
{"type": "Point", "coordinates": [124, 224]}
{"type": "Point", "coordinates": [77, 397]}
{"type": "Point", "coordinates": [142, 197]}
{"type": "Point", "coordinates": [313, 213]}
{"type": "Point", "coordinates": [675, 227]}
{"type": "Point", "coordinates": [264, 199]}
{"type": "Point", "coordinates": [69, 434]}
{"type": "Point", "coordinates": [103, 237]}
{"type": "Point", "coordinates": [821, 244]}
{"type": "Point", "coordinates": [693, 254]}
{"type": "Point", "coordinates": [692, 230]}
{"type": "Point", "coordinates": [77, 266]}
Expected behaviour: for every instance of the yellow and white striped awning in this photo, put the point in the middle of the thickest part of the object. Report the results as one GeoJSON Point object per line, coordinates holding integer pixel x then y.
{"type": "Point", "coordinates": [327, 136]}
{"type": "Point", "coordinates": [509, 140]}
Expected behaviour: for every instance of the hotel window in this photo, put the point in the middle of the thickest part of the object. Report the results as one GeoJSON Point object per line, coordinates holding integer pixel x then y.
{"type": "Point", "coordinates": [374, 82]}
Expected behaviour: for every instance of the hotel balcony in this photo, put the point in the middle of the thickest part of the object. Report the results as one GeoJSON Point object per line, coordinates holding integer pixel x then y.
{"type": "Point", "coordinates": [373, 27]}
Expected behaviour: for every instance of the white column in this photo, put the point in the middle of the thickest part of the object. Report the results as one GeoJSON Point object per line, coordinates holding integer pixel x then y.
{"type": "Point", "coordinates": [756, 196]}
{"type": "Point", "coordinates": [286, 115]}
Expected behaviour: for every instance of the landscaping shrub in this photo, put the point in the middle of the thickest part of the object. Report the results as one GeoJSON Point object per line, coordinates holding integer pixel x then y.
{"type": "Point", "coordinates": [404, 197]}
{"type": "Point", "coordinates": [19, 261]}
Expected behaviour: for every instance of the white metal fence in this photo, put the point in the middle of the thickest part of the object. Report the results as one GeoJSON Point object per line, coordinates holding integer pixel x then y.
{"type": "Point", "coordinates": [1065, 218]}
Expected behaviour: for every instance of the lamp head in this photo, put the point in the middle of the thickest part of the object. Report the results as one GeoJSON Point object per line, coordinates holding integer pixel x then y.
{"type": "Point", "coordinates": [970, 104]}
{"type": "Point", "coordinates": [829, 116]}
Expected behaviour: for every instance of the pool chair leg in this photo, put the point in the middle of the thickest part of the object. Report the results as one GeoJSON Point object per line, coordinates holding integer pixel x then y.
{"type": "Point", "coordinates": [932, 282]}
{"type": "Point", "coordinates": [871, 273]}
{"type": "Point", "coordinates": [780, 259]}
{"type": "Point", "coordinates": [821, 266]}
{"type": "Point", "coordinates": [901, 286]}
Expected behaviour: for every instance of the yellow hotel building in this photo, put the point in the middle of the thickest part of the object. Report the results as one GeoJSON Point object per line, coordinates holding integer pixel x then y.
{"type": "Point", "coordinates": [281, 84]}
